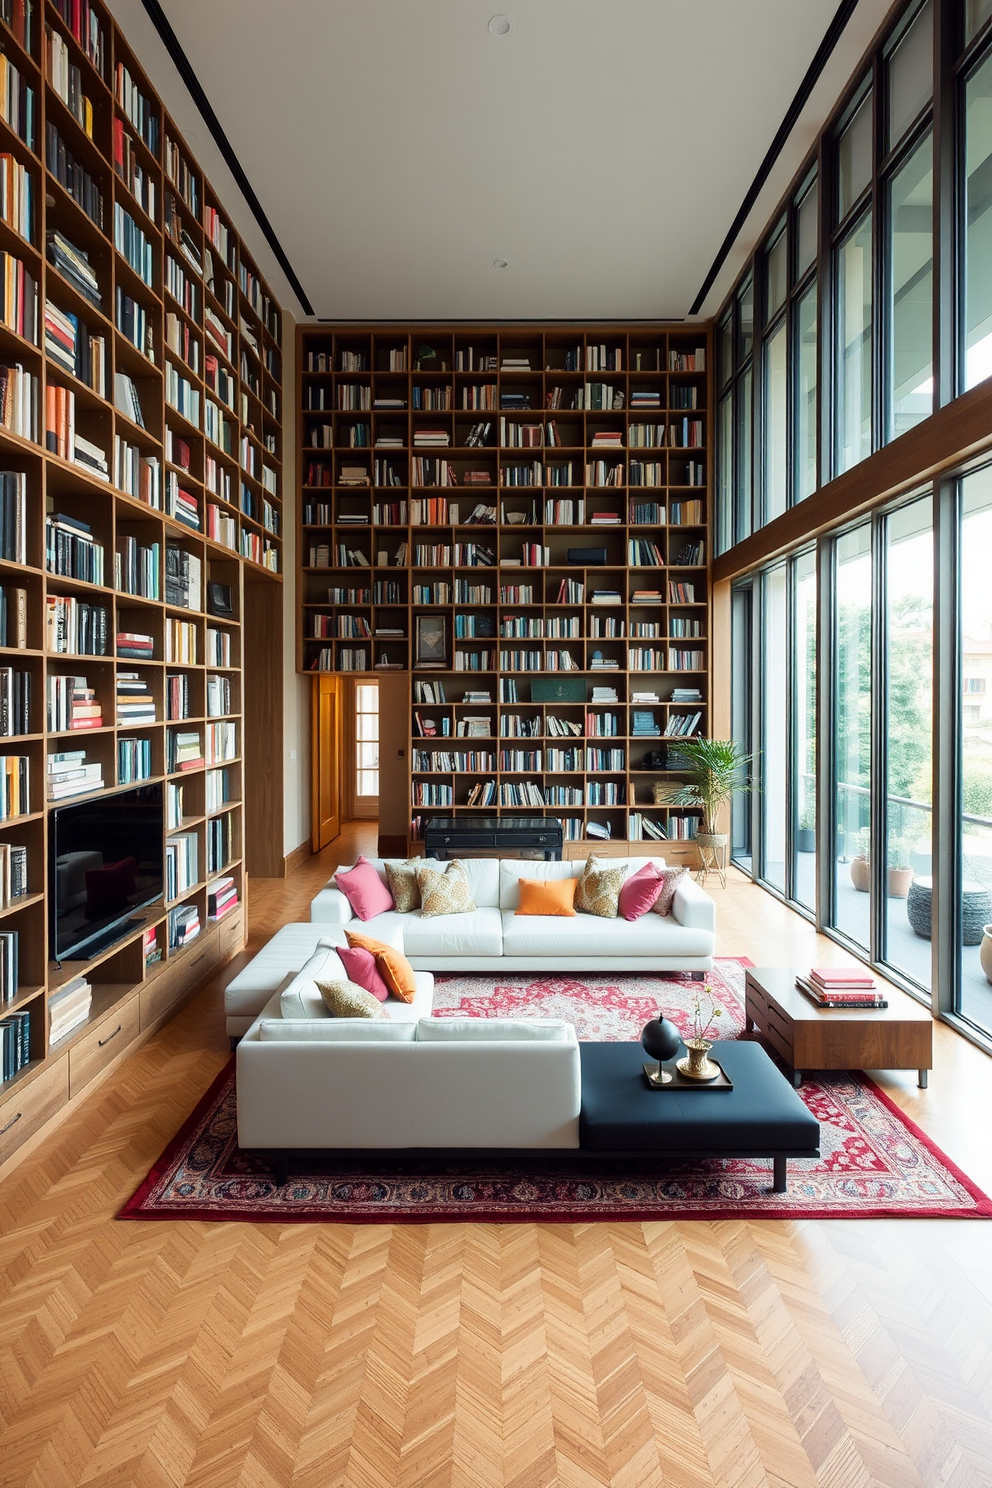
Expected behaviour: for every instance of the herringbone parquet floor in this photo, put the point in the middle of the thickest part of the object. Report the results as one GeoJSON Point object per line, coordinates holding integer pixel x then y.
{"type": "Point", "coordinates": [693, 1355]}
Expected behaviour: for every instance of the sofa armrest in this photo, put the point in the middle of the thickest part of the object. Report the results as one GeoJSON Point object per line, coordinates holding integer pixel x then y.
{"type": "Point", "coordinates": [693, 907]}
{"type": "Point", "coordinates": [331, 907]}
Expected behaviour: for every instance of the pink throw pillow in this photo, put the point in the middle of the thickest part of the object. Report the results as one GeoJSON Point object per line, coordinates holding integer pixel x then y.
{"type": "Point", "coordinates": [670, 880]}
{"type": "Point", "coordinates": [359, 966]}
{"type": "Point", "coordinates": [640, 891]}
{"type": "Point", "coordinates": [364, 890]}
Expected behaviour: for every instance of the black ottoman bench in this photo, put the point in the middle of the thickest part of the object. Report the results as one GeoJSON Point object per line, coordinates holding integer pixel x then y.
{"type": "Point", "coordinates": [761, 1117]}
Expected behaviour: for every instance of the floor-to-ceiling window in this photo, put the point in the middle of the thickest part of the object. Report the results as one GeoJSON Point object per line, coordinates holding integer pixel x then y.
{"type": "Point", "coordinates": [742, 713]}
{"type": "Point", "coordinates": [852, 733]}
{"type": "Point", "coordinates": [975, 648]}
{"type": "Point", "coordinates": [774, 725]}
{"type": "Point", "coordinates": [802, 772]}
{"type": "Point", "coordinates": [977, 308]}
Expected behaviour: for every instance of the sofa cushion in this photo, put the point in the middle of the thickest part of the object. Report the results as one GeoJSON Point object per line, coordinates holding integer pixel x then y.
{"type": "Point", "coordinates": [640, 892]}
{"type": "Point", "coordinates": [479, 933]}
{"type": "Point", "coordinates": [402, 880]}
{"type": "Point", "coordinates": [392, 965]}
{"type": "Point", "coordinates": [546, 896]}
{"type": "Point", "coordinates": [324, 962]}
{"type": "Point", "coordinates": [542, 937]}
{"type": "Point", "coordinates": [512, 870]}
{"type": "Point", "coordinates": [344, 999]}
{"type": "Point", "coordinates": [364, 889]}
{"type": "Point", "coordinates": [491, 1031]}
{"type": "Point", "coordinates": [359, 966]}
{"type": "Point", "coordinates": [672, 878]}
{"type": "Point", "coordinates": [336, 1031]}
{"type": "Point", "coordinates": [446, 893]}
{"type": "Point", "coordinates": [598, 889]}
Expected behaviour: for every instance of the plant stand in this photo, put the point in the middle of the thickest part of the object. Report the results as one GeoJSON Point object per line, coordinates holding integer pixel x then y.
{"type": "Point", "coordinates": [714, 848]}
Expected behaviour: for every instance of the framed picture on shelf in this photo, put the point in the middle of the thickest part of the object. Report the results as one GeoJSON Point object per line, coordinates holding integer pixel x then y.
{"type": "Point", "coordinates": [430, 641]}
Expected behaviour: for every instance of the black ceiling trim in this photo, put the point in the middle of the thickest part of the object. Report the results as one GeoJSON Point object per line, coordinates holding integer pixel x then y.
{"type": "Point", "coordinates": [195, 89]}
{"type": "Point", "coordinates": [833, 34]}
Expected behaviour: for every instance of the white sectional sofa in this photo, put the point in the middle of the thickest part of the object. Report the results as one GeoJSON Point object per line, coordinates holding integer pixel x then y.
{"type": "Point", "coordinates": [492, 937]}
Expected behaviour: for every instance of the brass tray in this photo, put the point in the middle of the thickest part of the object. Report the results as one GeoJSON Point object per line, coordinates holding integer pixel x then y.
{"type": "Point", "coordinates": [680, 1082]}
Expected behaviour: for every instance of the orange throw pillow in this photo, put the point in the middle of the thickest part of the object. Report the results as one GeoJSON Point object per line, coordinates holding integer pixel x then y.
{"type": "Point", "coordinates": [540, 897]}
{"type": "Point", "coordinates": [391, 964]}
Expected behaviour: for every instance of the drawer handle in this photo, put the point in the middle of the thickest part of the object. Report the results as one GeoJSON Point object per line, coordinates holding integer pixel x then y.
{"type": "Point", "coordinates": [101, 1042]}
{"type": "Point", "coordinates": [12, 1122]}
{"type": "Point", "coordinates": [201, 957]}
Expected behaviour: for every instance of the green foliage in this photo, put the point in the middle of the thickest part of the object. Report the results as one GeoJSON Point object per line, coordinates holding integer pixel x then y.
{"type": "Point", "coordinates": [715, 769]}
{"type": "Point", "coordinates": [977, 785]}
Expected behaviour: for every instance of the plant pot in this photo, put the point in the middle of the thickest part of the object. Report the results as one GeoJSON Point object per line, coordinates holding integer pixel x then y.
{"type": "Point", "coordinates": [861, 873]}
{"type": "Point", "coordinates": [806, 839]}
{"type": "Point", "coordinates": [985, 953]}
{"type": "Point", "coordinates": [697, 1066]}
{"type": "Point", "coordinates": [712, 839]}
{"type": "Point", "coordinates": [899, 882]}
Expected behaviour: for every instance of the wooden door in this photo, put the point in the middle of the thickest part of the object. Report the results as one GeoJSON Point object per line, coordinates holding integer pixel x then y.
{"type": "Point", "coordinates": [326, 788]}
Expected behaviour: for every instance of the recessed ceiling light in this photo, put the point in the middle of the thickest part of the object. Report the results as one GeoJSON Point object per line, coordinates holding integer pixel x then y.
{"type": "Point", "coordinates": [499, 25]}
{"type": "Point", "coordinates": [500, 263]}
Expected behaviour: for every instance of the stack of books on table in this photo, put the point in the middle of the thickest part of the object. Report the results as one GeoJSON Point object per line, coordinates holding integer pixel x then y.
{"type": "Point", "coordinates": [222, 895]}
{"type": "Point", "coordinates": [68, 1007]}
{"type": "Point", "coordinates": [841, 987]}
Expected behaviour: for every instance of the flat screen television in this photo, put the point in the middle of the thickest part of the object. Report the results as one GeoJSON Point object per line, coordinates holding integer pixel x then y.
{"type": "Point", "coordinates": [105, 857]}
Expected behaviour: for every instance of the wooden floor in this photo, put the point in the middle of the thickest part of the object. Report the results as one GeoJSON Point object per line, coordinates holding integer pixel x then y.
{"type": "Point", "coordinates": [761, 1353]}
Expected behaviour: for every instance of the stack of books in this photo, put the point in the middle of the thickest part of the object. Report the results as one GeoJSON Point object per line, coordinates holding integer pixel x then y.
{"type": "Point", "coordinates": [70, 775]}
{"type": "Point", "coordinates": [72, 704]}
{"type": "Point", "coordinates": [841, 987]}
{"type": "Point", "coordinates": [151, 950]}
{"type": "Point", "coordinates": [184, 925]}
{"type": "Point", "coordinates": [68, 1007]}
{"type": "Point", "coordinates": [135, 645]}
{"type": "Point", "coordinates": [135, 704]}
{"type": "Point", "coordinates": [222, 895]}
{"type": "Point", "coordinates": [185, 750]}
{"type": "Point", "coordinates": [74, 265]}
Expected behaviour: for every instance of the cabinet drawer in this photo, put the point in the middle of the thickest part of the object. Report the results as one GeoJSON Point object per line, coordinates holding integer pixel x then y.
{"type": "Point", "coordinates": [103, 1044]}
{"type": "Point", "coordinates": [176, 978]}
{"type": "Point", "coordinates": [231, 933]}
{"type": "Point", "coordinates": [26, 1110]}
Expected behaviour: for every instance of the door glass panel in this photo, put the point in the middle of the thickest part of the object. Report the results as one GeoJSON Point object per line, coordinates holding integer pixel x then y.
{"type": "Point", "coordinates": [975, 993]}
{"type": "Point", "coordinates": [909, 649]}
{"type": "Point", "coordinates": [854, 307]}
{"type": "Point", "coordinates": [910, 288]}
{"type": "Point", "coordinates": [803, 770]}
{"type": "Point", "coordinates": [854, 159]}
{"type": "Point", "coordinates": [910, 75]}
{"type": "Point", "coordinates": [806, 383]}
{"type": "Point", "coordinates": [978, 226]}
{"type": "Point", "coordinates": [774, 740]}
{"type": "Point", "coordinates": [806, 231]}
{"type": "Point", "coordinates": [366, 739]}
{"type": "Point", "coordinates": [775, 423]}
{"type": "Point", "coordinates": [852, 736]}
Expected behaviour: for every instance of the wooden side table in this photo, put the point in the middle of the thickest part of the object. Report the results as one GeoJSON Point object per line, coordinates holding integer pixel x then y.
{"type": "Point", "coordinates": [807, 1037]}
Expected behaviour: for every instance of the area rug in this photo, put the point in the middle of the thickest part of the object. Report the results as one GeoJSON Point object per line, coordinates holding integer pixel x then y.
{"type": "Point", "coordinates": [874, 1163]}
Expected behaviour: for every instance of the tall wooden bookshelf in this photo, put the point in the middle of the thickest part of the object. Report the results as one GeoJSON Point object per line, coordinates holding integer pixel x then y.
{"type": "Point", "coordinates": [130, 299]}
{"type": "Point", "coordinates": [516, 517]}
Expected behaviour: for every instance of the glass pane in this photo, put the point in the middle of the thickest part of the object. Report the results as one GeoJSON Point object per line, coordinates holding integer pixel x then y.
{"type": "Point", "coordinates": [803, 770]}
{"type": "Point", "coordinates": [742, 494]}
{"type": "Point", "coordinates": [854, 159]}
{"type": "Point", "coordinates": [909, 632]}
{"type": "Point", "coordinates": [367, 697]}
{"type": "Point", "coordinates": [725, 344]}
{"type": "Point", "coordinates": [367, 726]}
{"type": "Point", "coordinates": [910, 75]}
{"type": "Point", "coordinates": [775, 724]}
{"type": "Point", "coordinates": [725, 476]}
{"type": "Point", "coordinates": [976, 14]}
{"type": "Point", "coordinates": [806, 383]}
{"type": "Point", "coordinates": [776, 276]}
{"type": "Point", "coordinates": [740, 717]}
{"type": "Point", "coordinates": [368, 756]}
{"type": "Point", "coordinates": [367, 783]}
{"type": "Point", "coordinates": [976, 733]}
{"type": "Point", "coordinates": [852, 739]}
{"type": "Point", "coordinates": [978, 226]}
{"type": "Point", "coordinates": [806, 231]}
{"type": "Point", "coordinates": [776, 420]}
{"type": "Point", "coordinates": [745, 311]}
{"type": "Point", "coordinates": [910, 279]}
{"type": "Point", "coordinates": [854, 314]}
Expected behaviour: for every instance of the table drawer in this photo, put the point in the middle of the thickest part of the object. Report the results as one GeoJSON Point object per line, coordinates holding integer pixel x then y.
{"type": "Point", "coordinates": [102, 1044]}
{"type": "Point", "coordinates": [26, 1110]}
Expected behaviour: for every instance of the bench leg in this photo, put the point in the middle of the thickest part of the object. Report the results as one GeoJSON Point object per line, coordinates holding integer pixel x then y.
{"type": "Point", "coordinates": [697, 976]}
{"type": "Point", "coordinates": [780, 1180]}
{"type": "Point", "coordinates": [924, 1078]}
{"type": "Point", "coordinates": [280, 1162]}
{"type": "Point", "coordinates": [234, 1041]}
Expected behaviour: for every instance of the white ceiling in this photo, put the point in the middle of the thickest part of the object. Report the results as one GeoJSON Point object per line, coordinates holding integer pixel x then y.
{"type": "Point", "coordinates": [602, 147]}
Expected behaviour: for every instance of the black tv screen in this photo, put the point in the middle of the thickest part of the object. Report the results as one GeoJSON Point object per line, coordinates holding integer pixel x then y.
{"type": "Point", "coordinates": [105, 857]}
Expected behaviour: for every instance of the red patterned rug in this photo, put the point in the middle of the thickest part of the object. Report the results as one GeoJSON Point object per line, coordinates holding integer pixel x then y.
{"type": "Point", "coordinates": [874, 1163]}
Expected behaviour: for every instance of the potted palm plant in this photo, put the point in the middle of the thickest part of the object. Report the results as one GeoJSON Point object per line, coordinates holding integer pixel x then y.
{"type": "Point", "coordinates": [714, 770]}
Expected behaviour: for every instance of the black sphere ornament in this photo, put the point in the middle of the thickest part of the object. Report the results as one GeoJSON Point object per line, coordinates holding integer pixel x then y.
{"type": "Point", "coordinates": [662, 1040]}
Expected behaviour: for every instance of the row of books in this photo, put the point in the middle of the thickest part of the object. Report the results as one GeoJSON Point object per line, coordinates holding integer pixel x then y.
{"type": "Point", "coordinates": [9, 974]}
{"type": "Point", "coordinates": [15, 1043]}
{"type": "Point", "coordinates": [13, 873]}
{"type": "Point", "coordinates": [15, 702]}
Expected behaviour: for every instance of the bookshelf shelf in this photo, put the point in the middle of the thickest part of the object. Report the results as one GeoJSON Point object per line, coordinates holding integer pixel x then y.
{"type": "Point", "coordinates": [119, 211]}
{"type": "Point", "coordinates": [492, 479]}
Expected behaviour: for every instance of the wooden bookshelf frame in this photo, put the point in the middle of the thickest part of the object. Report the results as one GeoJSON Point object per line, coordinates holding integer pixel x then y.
{"type": "Point", "coordinates": [164, 193]}
{"type": "Point", "coordinates": [386, 373]}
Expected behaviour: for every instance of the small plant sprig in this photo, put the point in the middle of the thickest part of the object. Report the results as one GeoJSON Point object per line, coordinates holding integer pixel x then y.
{"type": "Point", "coordinates": [705, 1014]}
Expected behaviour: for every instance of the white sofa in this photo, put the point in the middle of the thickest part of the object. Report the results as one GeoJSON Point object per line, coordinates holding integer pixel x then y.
{"type": "Point", "coordinates": [492, 937]}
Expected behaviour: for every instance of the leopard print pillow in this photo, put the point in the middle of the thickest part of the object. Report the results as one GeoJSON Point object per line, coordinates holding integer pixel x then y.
{"type": "Point", "coordinates": [598, 888]}
{"type": "Point", "coordinates": [444, 893]}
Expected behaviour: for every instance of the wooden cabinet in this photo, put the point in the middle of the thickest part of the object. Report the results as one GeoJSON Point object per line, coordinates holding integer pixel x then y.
{"type": "Point", "coordinates": [32, 1103]}
{"type": "Point", "coordinates": [100, 1046]}
{"type": "Point", "coordinates": [171, 983]}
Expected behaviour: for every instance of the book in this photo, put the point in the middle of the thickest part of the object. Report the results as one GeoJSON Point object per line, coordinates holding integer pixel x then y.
{"type": "Point", "coordinates": [841, 976]}
{"type": "Point", "coordinates": [825, 1000]}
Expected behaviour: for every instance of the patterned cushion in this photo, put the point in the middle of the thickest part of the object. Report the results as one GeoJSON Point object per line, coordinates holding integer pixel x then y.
{"type": "Point", "coordinates": [348, 1000]}
{"type": "Point", "coordinates": [598, 888]}
{"type": "Point", "coordinates": [444, 893]}
{"type": "Point", "coordinates": [403, 885]}
{"type": "Point", "coordinates": [672, 878]}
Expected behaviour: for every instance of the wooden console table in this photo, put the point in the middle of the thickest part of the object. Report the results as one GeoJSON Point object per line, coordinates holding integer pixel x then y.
{"type": "Point", "coordinates": [444, 835]}
{"type": "Point", "coordinates": [807, 1037]}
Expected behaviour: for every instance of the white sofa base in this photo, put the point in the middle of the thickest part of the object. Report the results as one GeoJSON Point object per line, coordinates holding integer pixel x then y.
{"type": "Point", "coordinates": [602, 965]}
